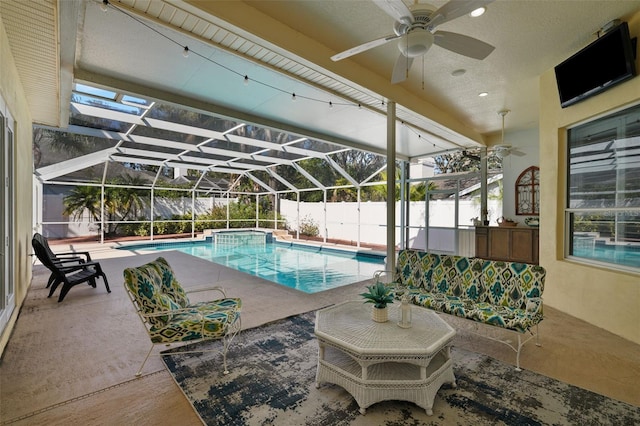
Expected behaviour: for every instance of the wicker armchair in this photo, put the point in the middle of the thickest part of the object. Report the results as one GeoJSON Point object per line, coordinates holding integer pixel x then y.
{"type": "Point", "coordinates": [168, 315]}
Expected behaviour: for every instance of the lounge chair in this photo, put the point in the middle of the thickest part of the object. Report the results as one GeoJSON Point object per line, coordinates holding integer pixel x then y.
{"type": "Point", "coordinates": [68, 274]}
{"type": "Point", "coordinates": [61, 258]}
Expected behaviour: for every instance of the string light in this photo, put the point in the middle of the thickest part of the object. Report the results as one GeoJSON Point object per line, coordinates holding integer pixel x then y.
{"type": "Point", "coordinates": [186, 52]}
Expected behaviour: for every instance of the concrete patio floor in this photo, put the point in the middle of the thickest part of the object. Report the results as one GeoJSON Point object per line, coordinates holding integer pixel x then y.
{"type": "Point", "coordinates": [74, 362]}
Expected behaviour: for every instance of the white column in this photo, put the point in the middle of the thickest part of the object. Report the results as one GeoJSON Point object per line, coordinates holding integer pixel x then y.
{"type": "Point", "coordinates": [391, 185]}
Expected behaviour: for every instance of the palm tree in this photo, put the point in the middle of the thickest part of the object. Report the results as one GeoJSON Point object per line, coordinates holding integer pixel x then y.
{"type": "Point", "coordinates": [120, 203]}
{"type": "Point", "coordinates": [81, 199]}
{"type": "Point", "coordinates": [125, 202]}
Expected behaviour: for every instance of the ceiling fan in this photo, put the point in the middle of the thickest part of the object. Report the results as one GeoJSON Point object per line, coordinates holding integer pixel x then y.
{"type": "Point", "coordinates": [415, 26]}
{"type": "Point", "coordinates": [504, 149]}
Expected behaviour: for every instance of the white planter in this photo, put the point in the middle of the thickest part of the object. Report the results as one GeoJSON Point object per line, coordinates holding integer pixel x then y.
{"type": "Point", "coordinates": [379, 314]}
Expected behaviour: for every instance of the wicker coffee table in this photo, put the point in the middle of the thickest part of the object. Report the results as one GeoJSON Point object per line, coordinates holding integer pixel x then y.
{"type": "Point", "coordinates": [380, 361]}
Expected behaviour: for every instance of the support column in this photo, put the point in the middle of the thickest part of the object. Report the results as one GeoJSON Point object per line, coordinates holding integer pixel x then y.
{"type": "Point", "coordinates": [324, 204]}
{"type": "Point", "coordinates": [359, 219]}
{"type": "Point", "coordinates": [297, 215]}
{"type": "Point", "coordinates": [257, 211]}
{"type": "Point", "coordinates": [483, 186]}
{"type": "Point", "coordinates": [391, 185]}
{"type": "Point", "coordinates": [404, 206]}
{"type": "Point", "coordinates": [152, 213]}
{"type": "Point", "coordinates": [193, 213]}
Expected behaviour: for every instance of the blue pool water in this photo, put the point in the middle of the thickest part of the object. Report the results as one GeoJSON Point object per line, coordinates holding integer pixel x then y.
{"type": "Point", "coordinates": [305, 268]}
{"type": "Point", "coordinates": [627, 255]}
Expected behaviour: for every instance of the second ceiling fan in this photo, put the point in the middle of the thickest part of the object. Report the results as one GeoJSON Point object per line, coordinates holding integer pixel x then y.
{"type": "Point", "coordinates": [415, 26]}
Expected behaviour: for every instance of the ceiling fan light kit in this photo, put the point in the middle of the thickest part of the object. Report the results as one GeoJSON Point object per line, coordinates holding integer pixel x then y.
{"type": "Point", "coordinates": [416, 43]}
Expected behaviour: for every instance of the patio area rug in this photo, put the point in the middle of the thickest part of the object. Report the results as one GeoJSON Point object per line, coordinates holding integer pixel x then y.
{"type": "Point", "coordinates": [272, 382]}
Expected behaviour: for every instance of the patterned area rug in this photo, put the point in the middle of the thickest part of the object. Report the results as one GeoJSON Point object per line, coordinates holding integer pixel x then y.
{"type": "Point", "coordinates": [272, 382]}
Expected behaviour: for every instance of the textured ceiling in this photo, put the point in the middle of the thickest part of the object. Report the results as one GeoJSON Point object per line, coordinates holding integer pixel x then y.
{"type": "Point", "coordinates": [530, 37]}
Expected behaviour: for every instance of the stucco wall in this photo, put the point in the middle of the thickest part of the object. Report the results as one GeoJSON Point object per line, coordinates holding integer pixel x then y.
{"type": "Point", "coordinates": [13, 94]}
{"type": "Point", "coordinates": [603, 297]}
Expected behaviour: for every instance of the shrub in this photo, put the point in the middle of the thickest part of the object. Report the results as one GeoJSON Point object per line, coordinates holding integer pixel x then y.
{"type": "Point", "coordinates": [309, 227]}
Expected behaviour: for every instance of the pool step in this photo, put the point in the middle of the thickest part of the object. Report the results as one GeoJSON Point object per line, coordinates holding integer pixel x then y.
{"type": "Point", "coordinates": [282, 234]}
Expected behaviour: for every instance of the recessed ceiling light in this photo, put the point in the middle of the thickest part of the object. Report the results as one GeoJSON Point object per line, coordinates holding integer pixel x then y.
{"type": "Point", "coordinates": [478, 12]}
{"type": "Point", "coordinates": [458, 72]}
{"type": "Point", "coordinates": [483, 94]}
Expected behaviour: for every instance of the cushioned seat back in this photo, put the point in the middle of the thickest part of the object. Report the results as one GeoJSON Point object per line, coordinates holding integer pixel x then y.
{"type": "Point", "coordinates": [170, 284]}
{"type": "Point", "coordinates": [457, 276]}
{"type": "Point", "coordinates": [511, 283]}
{"type": "Point", "coordinates": [146, 284]}
{"type": "Point", "coordinates": [414, 268]}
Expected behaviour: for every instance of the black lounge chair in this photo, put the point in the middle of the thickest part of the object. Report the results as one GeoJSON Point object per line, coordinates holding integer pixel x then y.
{"type": "Point", "coordinates": [68, 274]}
{"type": "Point", "coordinates": [61, 258]}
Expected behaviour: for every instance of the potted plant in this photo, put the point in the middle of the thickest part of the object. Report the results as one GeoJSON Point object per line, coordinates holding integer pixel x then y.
{"type": "Point", "coordinates": [380, 295]}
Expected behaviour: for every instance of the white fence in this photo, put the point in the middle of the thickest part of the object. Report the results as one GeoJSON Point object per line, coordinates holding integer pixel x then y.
{"type": "Point", "coordinates": [348, 221]}
{"type": "Point", "coordinates": [366, 222]}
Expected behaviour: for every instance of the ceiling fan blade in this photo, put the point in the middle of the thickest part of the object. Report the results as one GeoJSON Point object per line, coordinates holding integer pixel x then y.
{"type": "Point", "coordinates": [366, 46]}
{"type": "Point", "coordinates": [401, 69]}
{"type": "Point", "coordinates": [455, 9]}
{"type": "Point", "coordinates": [396, 9]}
{"type": "Point", "coordinates": [462, 44]}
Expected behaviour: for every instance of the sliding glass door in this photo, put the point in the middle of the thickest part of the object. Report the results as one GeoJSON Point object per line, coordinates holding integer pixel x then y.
{"type": "Point", "coordinates": [7, 288]}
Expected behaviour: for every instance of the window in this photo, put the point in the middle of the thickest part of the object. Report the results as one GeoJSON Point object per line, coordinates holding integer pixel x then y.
{"type": "Point", "coordinates": [528, 192]}
{"type": "Point", "coordinates": [603, 204]}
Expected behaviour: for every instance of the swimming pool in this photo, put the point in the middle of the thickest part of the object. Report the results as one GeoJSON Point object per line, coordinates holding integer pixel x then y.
{"type": "Point", "coordinates": [619, 254]}
{"type": "Point", "coordinates": [306, 268]}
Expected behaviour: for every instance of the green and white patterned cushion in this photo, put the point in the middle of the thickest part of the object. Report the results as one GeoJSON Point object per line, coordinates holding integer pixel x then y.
{"type": "Point", "coordinates": [414, 269]}
{"type": "Point", "coordinates": [156, 290]}
{"type": "Point", "coordinates": [504, 294]}
{"type": "Point", "coordinates": [170, 284]}
{"type": "Point", "coordinates": [511, 283]}
{"type": "Point", "coordinates": [457, 275]}
{"type": "Point", "coordinates": [194, 324]}
{"type": "Point", "coordinates": [144, 284]}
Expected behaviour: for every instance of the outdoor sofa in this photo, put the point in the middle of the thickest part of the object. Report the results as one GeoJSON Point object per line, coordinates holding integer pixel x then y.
{"type": "Point", "coordinates": [500, 294]}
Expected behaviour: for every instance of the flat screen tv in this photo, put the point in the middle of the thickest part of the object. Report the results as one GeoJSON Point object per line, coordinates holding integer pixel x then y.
{"type": "Point", "coordinates": [604, 63]}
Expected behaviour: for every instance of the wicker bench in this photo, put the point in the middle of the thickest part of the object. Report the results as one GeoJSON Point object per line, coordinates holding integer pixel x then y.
{"type": "Point", "coordinates": [500, 294]}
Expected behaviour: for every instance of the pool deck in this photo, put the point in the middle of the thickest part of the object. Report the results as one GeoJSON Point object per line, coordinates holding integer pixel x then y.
{"type": "Point", "coordinates": [70, 362]}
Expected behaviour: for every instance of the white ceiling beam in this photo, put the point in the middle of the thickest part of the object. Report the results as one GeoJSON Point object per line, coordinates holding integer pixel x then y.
{"type": "Point", "coordinates": [282, 180]}
{"type": "Point", "coordinates": [306, 174]}
{"type": "Point", "coordinates": [73, 165]}
{"type": "Point", "coordinates": [261, 183]}
{"type": "Point", "coordinates": [135, 89]}
{"type": "Point", "coordinates": [342, 171]}
{"type": "Point", "coordinates": [177, 158]}
{"type": "Point", "coordinates": [108, 114]}
{"type": "Point", "coordinates": [181, 146]}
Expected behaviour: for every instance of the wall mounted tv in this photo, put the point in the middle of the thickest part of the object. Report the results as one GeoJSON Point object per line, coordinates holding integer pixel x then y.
{"type": "Point", "coordinates": [604, 63]}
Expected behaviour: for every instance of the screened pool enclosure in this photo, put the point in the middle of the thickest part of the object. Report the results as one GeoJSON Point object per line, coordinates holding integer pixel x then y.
{"type": "Point", "coordinates": [129, 166]}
